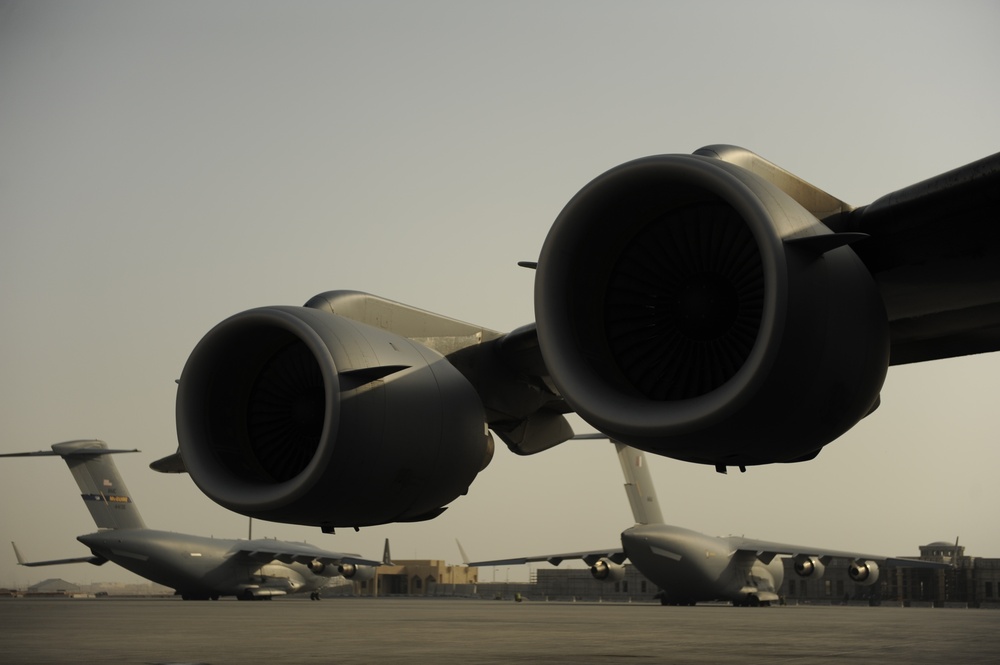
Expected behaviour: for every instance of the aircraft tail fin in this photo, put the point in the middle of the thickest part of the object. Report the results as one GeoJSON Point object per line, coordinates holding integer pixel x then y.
{"type": "Point", "coordinates": [386, 558]}
{"type": "Point", "coordinates": [102, 487]}
{"type": "Point", "coordinates": [639, 485]}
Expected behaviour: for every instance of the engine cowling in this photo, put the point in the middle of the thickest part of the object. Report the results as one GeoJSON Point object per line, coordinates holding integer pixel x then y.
{"type": "Point", "coordinates": [356, 572]}
{"type": "Point", "coordinates": [294, 414]}
{"type": "Point", "coordinates": [808, 566]}
{"type": "Point", "coordinates": [607, 570]}
{"type": "Point", "coordinates": [690, 308]}
{"type": "Point", "coordinates": [317, 567]}
{"type": "Point", "coordinates": [863, 572]}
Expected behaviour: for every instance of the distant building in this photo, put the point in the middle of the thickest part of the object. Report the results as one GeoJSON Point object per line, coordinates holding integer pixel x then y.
{"type": "Point", "coordinates": [973, 582]}
{"type": "Point", "coordinates": [53, 587]}
{"type": "Point", "coordinates": [417, 578]}
{"type": "Point", "coordinates": [134, 589]}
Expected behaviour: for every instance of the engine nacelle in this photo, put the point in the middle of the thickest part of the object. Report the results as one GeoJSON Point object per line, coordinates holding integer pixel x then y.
{"type": "Point", "coordinates": [317, 567]}
{"type": "Point", "coordinates": [863, 572]}
{"type": "Point", "coordinates": [688, 307]}
{"type": "Point", "coordinates": [357, 572]}
{"type": "Point", "coordinates": [294, 414]}
{"type": "Point", "coordinates": [808, 566]}
{"type": "Point", "coordinates": [607, 570]}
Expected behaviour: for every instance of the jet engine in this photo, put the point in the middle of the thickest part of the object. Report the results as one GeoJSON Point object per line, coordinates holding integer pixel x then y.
{"type": "Point", "coordinates": [298, 415]}
{"type": "Point", "coordinates": [607, 570]}
{"type": "Point", "coordinates": [808, 566]}
{"type": "Point", "coordinates": [689, 307]}
{"type": "Point", "coordinates": [863, 572]}
{"type": "Point", "coordinates": [317, 567]}
{"type": "Point", "coordinates": [356, 572]}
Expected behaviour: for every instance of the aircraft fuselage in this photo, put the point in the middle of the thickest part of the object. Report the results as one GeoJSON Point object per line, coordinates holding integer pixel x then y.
{"type": "Point", "coordinates": [199, 567]}
{"type": "Point", "coordinates": [692, 567]}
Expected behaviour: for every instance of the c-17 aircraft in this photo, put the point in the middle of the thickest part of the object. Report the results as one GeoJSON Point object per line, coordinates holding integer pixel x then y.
{"type": "Point", "coordinates": [197, 568]}
{"type": "Point", "coordinates": [691, 567]}
{"type": "Point", "coordinates": [712, 307]}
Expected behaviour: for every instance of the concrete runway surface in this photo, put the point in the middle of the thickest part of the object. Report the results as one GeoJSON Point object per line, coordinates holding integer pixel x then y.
{"type": "Point", "coordinates": [442, 631]}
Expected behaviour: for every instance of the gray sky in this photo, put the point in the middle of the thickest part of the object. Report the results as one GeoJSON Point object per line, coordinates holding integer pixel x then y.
{"type": "Point", "coordinates": [166, 165]}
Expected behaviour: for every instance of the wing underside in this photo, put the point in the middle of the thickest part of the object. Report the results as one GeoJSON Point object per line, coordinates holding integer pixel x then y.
{"type": "Point", "coordinates": [590, 558]}
{"type": "Point", "coordinates": [263, 551]}
{"type": "Point", "coordinates": [934, 251]}
{"type": "Point", "coordinates": [765, 551]}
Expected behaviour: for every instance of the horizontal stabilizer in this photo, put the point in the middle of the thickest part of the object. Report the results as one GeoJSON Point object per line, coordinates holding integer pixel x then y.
{"type": "Point", "coordinates": [77, 452]}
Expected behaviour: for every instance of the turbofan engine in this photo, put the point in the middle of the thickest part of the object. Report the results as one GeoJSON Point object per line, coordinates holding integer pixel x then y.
{"type": "Point", "coordinates": [808, 566]}
{"type": "Point", "coordinates": [356, 572]}
{"type": "Point", "coordinates": [296, 414]}
{"type": "Point", "coordinates": [607, 570]}
{"type": "Point", "coordinates": [863, 572]}
{"type": "Point", "coordinates": [689, 307]}
{"type": "Point", "coordinates": [317, 567]}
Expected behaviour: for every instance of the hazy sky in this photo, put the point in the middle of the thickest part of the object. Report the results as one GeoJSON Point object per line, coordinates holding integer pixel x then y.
{"type": "Point", "coordinates": [166, 165]}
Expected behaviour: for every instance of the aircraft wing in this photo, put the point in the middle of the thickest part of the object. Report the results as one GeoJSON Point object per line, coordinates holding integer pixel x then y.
{"type": "Point", "coordinates": [262, 551]}
{"type": "Point", "coordinates": [767, 550]}
{"type": "Point", "coordinates": [933, 250]}
{"type": "Point", "coordinates": [632, 333]}
{"type": "Point", "coordinates": [96, 560]}
{"type": "Point", "coordinates": [590, 558]}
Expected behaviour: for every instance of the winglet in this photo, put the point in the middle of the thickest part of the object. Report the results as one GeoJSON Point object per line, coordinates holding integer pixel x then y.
{"type": "Point", "coordinates": [461, 550]}
{"type": "Point", "coordinates": [17, 554]}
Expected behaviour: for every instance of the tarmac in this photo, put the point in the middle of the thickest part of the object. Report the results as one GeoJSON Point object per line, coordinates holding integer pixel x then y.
{"type": "Point", "coordinates": [445, 631]}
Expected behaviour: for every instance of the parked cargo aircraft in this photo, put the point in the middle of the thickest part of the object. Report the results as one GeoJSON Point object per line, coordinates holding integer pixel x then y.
{"type": "Point", "coordinates": [197, 568]}
{"type": "Point", "coordinates": [712, 307]}
{"type": "Point", "coordinates": [690, 567]}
